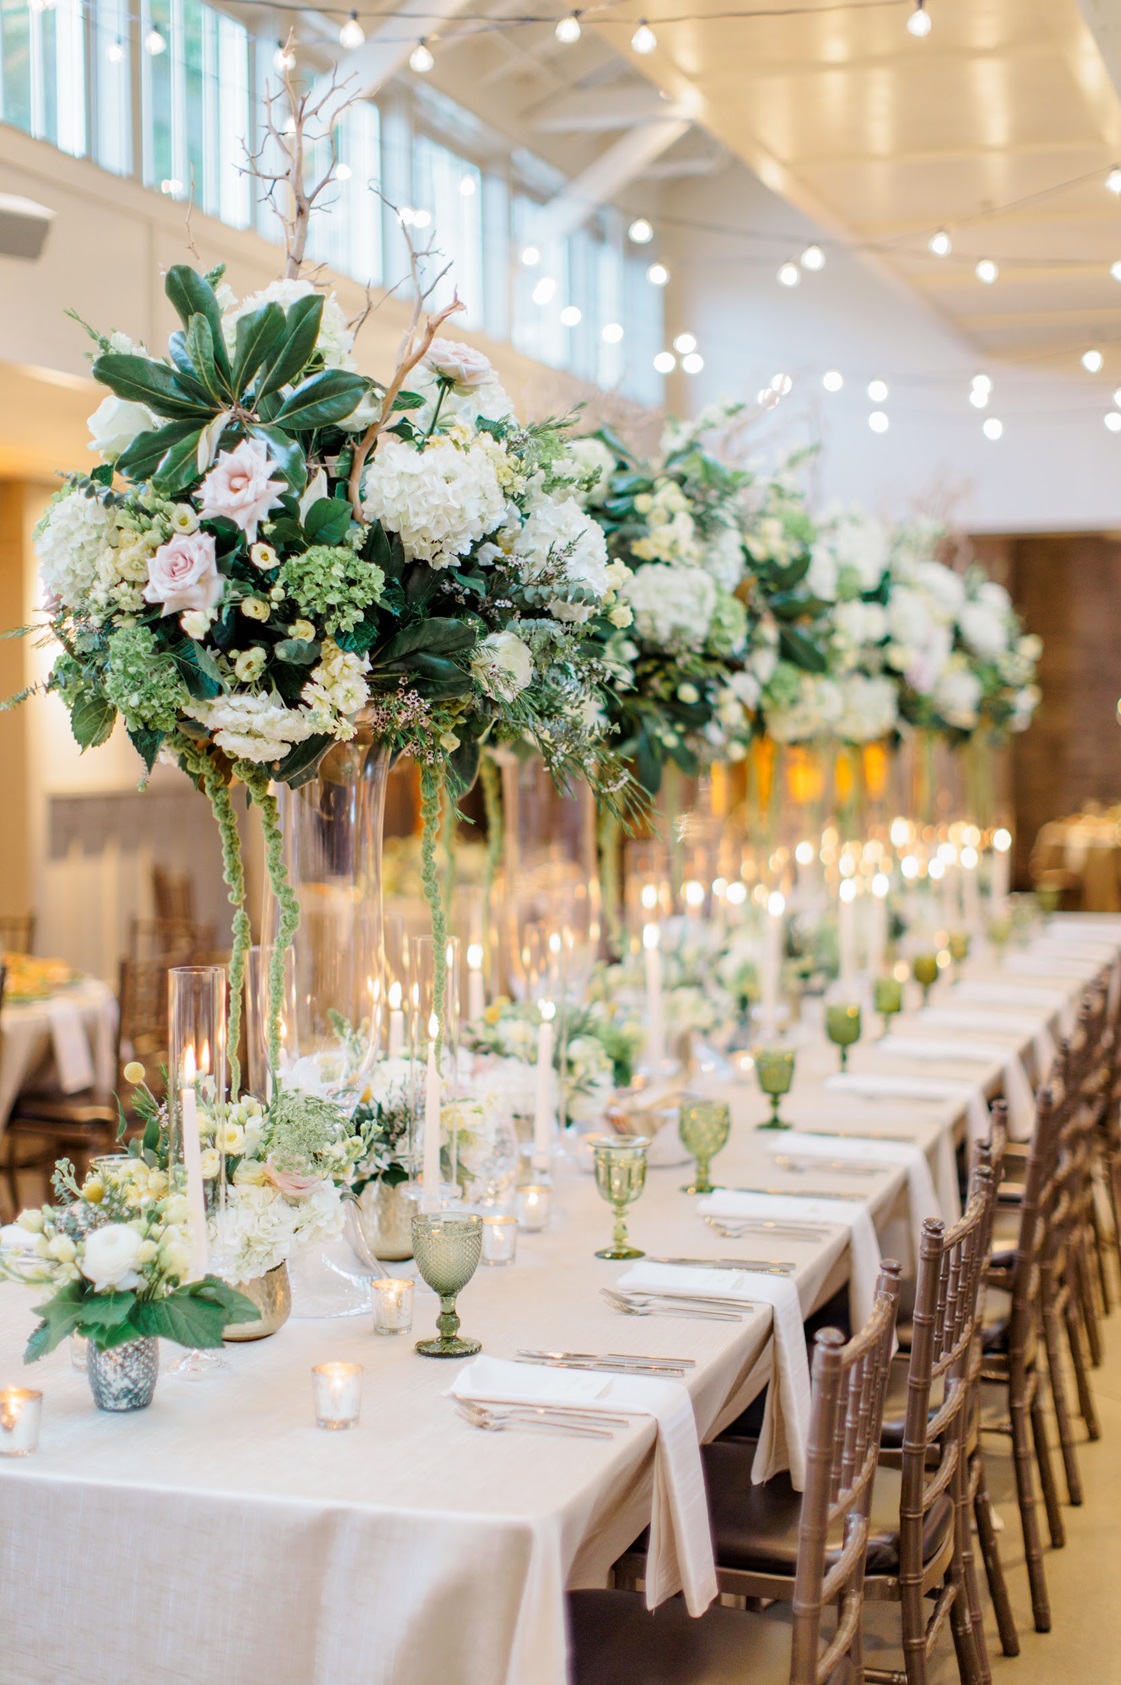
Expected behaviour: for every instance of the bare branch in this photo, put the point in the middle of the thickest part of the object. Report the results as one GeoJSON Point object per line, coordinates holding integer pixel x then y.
{"type": "Point", "coordinates": [191, 247]}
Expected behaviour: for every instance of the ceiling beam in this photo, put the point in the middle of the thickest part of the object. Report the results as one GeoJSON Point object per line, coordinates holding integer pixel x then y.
{"type": "Point", "coordinates": [605, 178]}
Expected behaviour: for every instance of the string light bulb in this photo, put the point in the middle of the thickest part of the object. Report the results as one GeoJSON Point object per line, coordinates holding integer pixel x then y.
{"type": "Point", "coordinates": [782, 384]}
{"type": "Point", "coordinates": [878, 421]}
{"type": "Point", "coordinates": [115, 52]}
{"type": "Point", "coordinates": [1113, 179]}
{"type": "Point", "coordinates": [283, 60]}
{"type": "Point", "coordinates": [767, 398]}
{"type": "Point", "coordinates": [918, 24]}
{"type": "Point", "coordinates": [657, 275]}
{"type": "Point", "coordinates": [692, 362]}
{"type": "Point", "coordinates": [531, 256]}
{"type": "Point", "coordinates": [992, 428]}
{"type": "Point", "coordinates": [644, 40]}
{"type": "Point", "coordinates": [665, 362]}
{"type": "Point", "coordinates": [832, 380]}
{"type": "Point", "coordinates": [940, 243]}
{"type": "Point", "coordinates": [878, 391]}
{"type": "Point", "coordinates": [468, 186]}
{"type": "Point", "coordinates": [982, 383]}
{"type": "Point", "coordinates": [420, 59]}
{"type": "Point", "coordinates": [789, 274]}
{"type": "Point", "coordinates": [640, 231]}
{"type": "Point", "coordinates": [986, 271]}
{"type": "Point", "coordinates": [571, 316]}
{"type": "Point", "coordinates": [342, 172]}
{"type": "Point", "coordinates": [1113, 420]}
{"type": "Point", "coordinates": [813, 259]}
{"type": "Point", "coordinates": [154, 43]}
{"type": "Point", "coordinates": [685, 342]}
{"type": "Point", "coordinates": [351, 35]}
{"type": "Point", "coordinates": [979, 396]}
{"type": "Point", "coordinates": [568, 30]}
{"type": "Point", "coordinates": [545, 290]}
{"type": "Point", "coordinates": [1115, 271]}
{"type": "Point", "coordinates": [1092, 361]}
{"type": "Point", "coordinates": [612, 333]}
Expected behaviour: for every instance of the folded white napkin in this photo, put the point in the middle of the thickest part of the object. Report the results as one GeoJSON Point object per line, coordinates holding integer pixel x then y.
{"type": "Point", "coordinates": [679, 1555]}
{"type": "Point", "coordinates": [73, 1059]}
{"type": "Point", "coordinates": [873, 1086]}
{"type": "Point", "coordinates": [864, 1248]}
{"type": "Point", "coordinates": [1014, 995]}
{"type": "Point", "coordinates": [924, 1200]}
{"type": "Point", "coordinates": [786, 1415]}
{"type": "Point", "coordinates": [1013, 1024]}
{"type": "Point", "coordinates": [1052, 965]}
{"type": "Point", "coordinates": [1083, 930]}
{"type": "Point", "coordinates": [1017, 1088]}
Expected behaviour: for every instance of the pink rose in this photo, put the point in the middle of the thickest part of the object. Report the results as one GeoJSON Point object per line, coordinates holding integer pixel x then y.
{"type": "Point", "coordinates": [238, 487]}
{"type": "Point", "coordinates": [465, 367]}
{"type": "Point", "coordinates": [290, 1182]}
{"type": "Point", "coordinates": [183, 574]}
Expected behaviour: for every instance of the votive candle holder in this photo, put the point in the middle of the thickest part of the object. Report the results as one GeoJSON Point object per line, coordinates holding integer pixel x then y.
{"type": "Point", "coordinates": [21, 1409]}
{"type": "Point", "coordinates": [392, 1299]}
{"type": "Point", "coordinates": [338, 1394]}
{"type": "Point", "coordinates": [500, 1240]}
{"type": "Point", "coordinates": [534, 1206]}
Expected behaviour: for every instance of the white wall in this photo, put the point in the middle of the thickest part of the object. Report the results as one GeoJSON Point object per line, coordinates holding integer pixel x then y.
{"type": "Point", "coordinates": [1056, 468]}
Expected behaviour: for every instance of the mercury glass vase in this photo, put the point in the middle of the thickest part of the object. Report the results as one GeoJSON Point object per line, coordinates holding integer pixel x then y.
{"type": "Point", "coordinates": [332, 972]}
{"type": "Point", "coordinates": [124, 1378]}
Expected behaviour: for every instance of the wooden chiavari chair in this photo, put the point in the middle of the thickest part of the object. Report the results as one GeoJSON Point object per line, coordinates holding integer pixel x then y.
{"type": "Point", "coordinates": [17, 933]}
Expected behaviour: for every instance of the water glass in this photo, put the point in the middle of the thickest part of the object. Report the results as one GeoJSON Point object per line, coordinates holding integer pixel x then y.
{"type": "Point", "coordinates": [887, 998]}
{"type": "Point", "coordinates": [500, 1240]}
{"type": "Point", "coordinates": [842, 1026]}
{"type": "Point", "coordinates": [620, 1164]}
{"type": "Point", "coordinates": [447, 1247]}
{"type": "Point", "coordinates": [21, 1409]}
{"type": "Point", "coordinates": [703, 1126]}
{"type": "Point", "coordinates": [392, 1299]}
{"type": "Point", "coordinates": [774, 1072]}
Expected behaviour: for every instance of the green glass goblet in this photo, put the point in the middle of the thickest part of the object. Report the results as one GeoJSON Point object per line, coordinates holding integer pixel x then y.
{"type": "Point", "coordinates": [620, 1163]}
{"type": "Point", "coordinates": [958, 943]}
{"type": "Point", "coordinates": [887, 998]}
{"type": "Point", "coordinates": [447, 1249]}
{"type": "Point", "coordinates": [703, 1126]}
{"type": "Point", "coordinates": [998, 929]}
{"type": "Point", "coordinates": [774, 1072]}
{"type": "Point", "coordinates": [924, 969]}
{"type": "Point", "coordinates": [842, 1026]}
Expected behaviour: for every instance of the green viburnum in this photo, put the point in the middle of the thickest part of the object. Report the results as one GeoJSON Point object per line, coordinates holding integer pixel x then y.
{"type": "Point", "coordinates": [143, 682]}
{"type": "Point", "coordinates": [332, 585]}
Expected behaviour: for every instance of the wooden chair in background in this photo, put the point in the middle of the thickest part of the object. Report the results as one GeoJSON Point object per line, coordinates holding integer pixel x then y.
{"type": "Point", "coordinates": [17, 933]}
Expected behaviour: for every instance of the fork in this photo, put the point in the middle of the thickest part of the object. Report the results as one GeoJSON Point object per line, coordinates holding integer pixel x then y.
{"type": "Point", "coordinates": [732, 1228]}
{"type": "Point", "coordinates": [838, 1166]}
{"type": "Point", "coordinates": [646, 1306]}
{"type": "Point", "coordinates": [496, 1420]}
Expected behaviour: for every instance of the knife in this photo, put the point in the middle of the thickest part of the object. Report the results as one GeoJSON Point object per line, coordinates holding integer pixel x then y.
{"type": "Point", "coordinates": [754, 1266]}
{"type": "Point", "coordinates": [602, 1367]}
{"type": "Point", "coordinates": [614, 1357]}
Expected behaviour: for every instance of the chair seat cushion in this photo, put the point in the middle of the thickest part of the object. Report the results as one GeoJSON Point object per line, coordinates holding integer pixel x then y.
{"type": "Point", "coordinates": [756, 1527]}
{"type": "Point", "coordinates": [616, 1640]}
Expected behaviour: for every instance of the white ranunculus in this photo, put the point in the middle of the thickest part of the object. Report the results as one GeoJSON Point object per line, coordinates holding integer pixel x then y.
{"type": "Point", "coordinates": [115, 423]}
{"type": "Point", "coordinates": [985, 631]}
{"type": "Point", "coordinates": [110, 1258]}
{"type": "Point", "coordinates": [957, 696]}
{"type": "Point", "coordinates": [503, 665]}
{"type": "Point", "coordinates": [440, 500]}
{"type": "Point", "coordinates": [561, 539]}
{"type": "Point", "coordinates": [673, 606]}
{"type": "Point", "coordinates": [69, 542]}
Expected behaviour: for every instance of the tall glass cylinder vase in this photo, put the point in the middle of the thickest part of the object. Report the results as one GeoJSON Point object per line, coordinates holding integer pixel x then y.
{"type": "Point", "coordinates": [196, 1089]}
{"type": "Point", "coordinates": [331, 975]}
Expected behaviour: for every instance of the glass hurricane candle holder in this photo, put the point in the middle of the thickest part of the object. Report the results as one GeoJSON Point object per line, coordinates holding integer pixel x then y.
{"type": "Point", "coordinates": [774, 1072]}
{"type": "Point", "coordinates": [887, 998]}
{"type": "Point", "coordinates": [924, 969]}
{"type": "Point", "coordinates": [534, 1203]}
{"type": "Point", "coordinates": [392, 1300]}
{"type": "Point", "coordinates": [337, 1388]}
{"type": "Point", "coordinates": [703, 1126]}
{"type": "Point", "coordinates": [447, 1248]}
{"type": "Point", "coordinates": [620, 1165]}
{"type": "Point", "coordinates": [21, 1409]}
{"type": "Point", "coordinates": [500, 1241]}
{"type": "Point", "coordinates": [842, 1026]}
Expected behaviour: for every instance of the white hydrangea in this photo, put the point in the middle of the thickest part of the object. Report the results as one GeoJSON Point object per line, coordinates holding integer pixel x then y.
{"type": "Point", "coordinates": [593, 457]}
{"type": "Point", "coordinates": [816, 712]}
{"type": "Point", "coordinates": [672, 606]}
{"type": "Point", "coordinates": [253, 728]}
{"type": "Point", "coordinates": [869, 708]}
{"type": "Point", "coordinates": [69, 542]}
{"type": "Point", "coordinates": [336, 340]}
{"type": "Point", "coordinates": [441, 500]}
{"type": "Point", "coordinates": [723, 557]}
{"type": "Point", "coordinates": [944, 589]}
{"type": "Point", "coordinates": [261, 1228]}
{"type": "Point", "coordinates": [337, 690]}
{"type": "Point", "coordinates": [985, 631]}
{"type": "Point", "coordinates": [957, 695]}
{"type": "Point", "coordinates": [822, 575]}
{"type": "Point", "coordinates": [565, 539]}
{"type": "Point", "coordinates": [861, 545]}
{"type": "Point", "coordinates": [860, 624]}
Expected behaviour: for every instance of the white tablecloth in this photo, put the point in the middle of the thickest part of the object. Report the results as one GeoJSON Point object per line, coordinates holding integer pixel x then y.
{"type": "Point", "coordinates": [247, 1547]}
{"type": "Point", "coordinates": [42, 1041]}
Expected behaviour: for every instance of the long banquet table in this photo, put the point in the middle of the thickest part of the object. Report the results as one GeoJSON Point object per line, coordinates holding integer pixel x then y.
{"type": "Point", "coordinates": [219, 1536]}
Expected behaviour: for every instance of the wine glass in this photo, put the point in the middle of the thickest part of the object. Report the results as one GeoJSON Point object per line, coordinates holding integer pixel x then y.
{"type": "Point", "coordinates": [958, 943]}
{"type": "Point", "coordinates": [842, 1026]}
{"type": "Point", "coordinates": [703, 1126]}
{"type": "Point", "coordinates": [447, 1248]}
{"type": "Point", "coordinates": [924, 969]}
{"type": "Point", "coordinates": [887, 998]}
{"type": "Point", "coordinates": [620, 1177]}
{"type": "Point", "coordinates": [774, 1072]}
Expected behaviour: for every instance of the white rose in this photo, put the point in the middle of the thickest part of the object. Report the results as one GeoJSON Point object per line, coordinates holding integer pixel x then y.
{"type": "Point", "coordinates": [465, 367]}
{"type": "Point", "coordinates": [503, 665]}
{"type": "Point", "coordinates": [115, 423]}
{"type": "Point", "coordinates": [111, 1256]}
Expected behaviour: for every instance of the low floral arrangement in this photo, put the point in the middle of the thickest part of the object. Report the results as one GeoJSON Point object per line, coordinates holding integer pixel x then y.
{"type": "Point", "coordinates": [708, 982]}
{"type": "Point", "coordinates": [116, 1251]}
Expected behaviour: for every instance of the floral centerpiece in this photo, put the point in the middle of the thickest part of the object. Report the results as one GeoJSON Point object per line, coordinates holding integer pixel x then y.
{"type": "Point", "coordinates": [593, 1056]}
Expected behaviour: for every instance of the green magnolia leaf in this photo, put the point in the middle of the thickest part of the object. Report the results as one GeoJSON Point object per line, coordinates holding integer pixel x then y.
{"type": "Point", "coordinates": [197, 670]}
{"type": "Point", "coordinates": [297, 651]}
{"type": "Point", "coordinates": [235, 1305]}
{"type": "Point", "coordinates": [801, 650]}
{"type": "Point", "coordinates": [147, 745]}
{"type": "Point", "coordinates": [463, 764]}
{"type": "Point", "coordinates": [377, 549]}
{"type": "Point", "coordinates": [436, 636]}
{"type": "Point", "coordinates": [200, 344]}
{"type": "Point", "coordinates": [409, 401]}
{"type": "Point", "coordinates": [785, 578]}
{"type": "Point", "coordinates": [648, 762]}
{"type": "Point", "coordinates": [301, 330]}
{"type": "Point", "coordinates": [287, 455]}
{"type": "Point", "coordinates": [258, 337]}
{"type": "Point", "coordinates": [300, 763]}
{"type": "Point", "coordinates": [184, 1317]}
{"type": "Point", "coordinates": [191, 294]}
{"type": "Point", "coordinates": [92, 719]}
{"type": "Point", "coordinates": [178, 467]}
{"type": "Point", "coordinates": [327, 521]}
{"type": "Point", "coordinates": [166, 391]}
{"type": "Point", "coordinates": [141, 459]}
{"type": "Point", "coordinates": [321, 399]}
{"type": "Point", "coordinates": [180, 356]}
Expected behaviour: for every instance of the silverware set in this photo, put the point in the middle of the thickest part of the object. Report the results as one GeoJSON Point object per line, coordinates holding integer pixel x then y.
{"type": "Point", "coordinates": [835, 1166]}
{"type": "Point", "coordinates": [854, 1135]}
{"type": "Point", "coordinates": [757, 1266]}
{"type": "Point", "coordinates": [700, 1308]}
{"type": "Point", "coordinates": [803, 1193]}
{"type": "Point", "coordinates": [544, 1418]}
{"type": "Point", "coordinates": [733, 1228]}
{"type": "Point", "coordinates": [610, 1363]}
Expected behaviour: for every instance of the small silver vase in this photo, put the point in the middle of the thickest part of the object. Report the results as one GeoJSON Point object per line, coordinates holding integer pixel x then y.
{"type": "Point", "coordinates": [124, 1378]}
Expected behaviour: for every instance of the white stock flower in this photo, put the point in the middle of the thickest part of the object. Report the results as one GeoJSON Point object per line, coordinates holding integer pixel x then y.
{"type": "Point", "coordinates": [440, 500]}
{"type": "Point", "coordinates": [69, 542]}
{"type": "Point", "coordinates": [503, 665]}
{"type": "Point", "coordinates": [672, 606]}
{"type": "Point", "coordinates": [562, 538]}
{"type": "Point", "coordinates": [337, 689]}
{"type": "Point", "coordinates": [110, 1258]}
{"type": "Point", "coordinates": [252, 728]}
{"type": "Point", "coordinates": [115, 423]}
